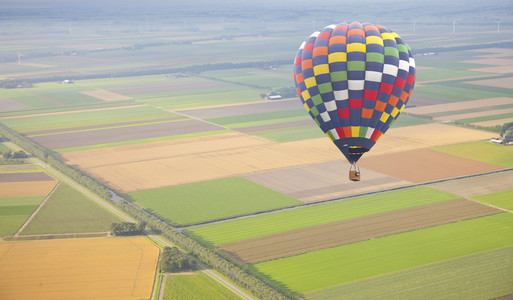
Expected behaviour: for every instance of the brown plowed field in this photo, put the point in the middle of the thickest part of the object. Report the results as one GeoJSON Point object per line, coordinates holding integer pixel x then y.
{"type": "Point", "coordinates": [475, 114]}
{"type": "Point", "coordinates": [113, 135]}
{"type": "Point", "coordinates": [425, 165]}
{"type": "Point", "coordinates": [9, 104]}
{"type": "Point", "coordinates": [18, 177]}
{"type": "Point", "coordinates": [506, 82]}
{"type": "Point", "coordinates": [350, 231]}
{"type": "Point", "coordinates": [493, 122]}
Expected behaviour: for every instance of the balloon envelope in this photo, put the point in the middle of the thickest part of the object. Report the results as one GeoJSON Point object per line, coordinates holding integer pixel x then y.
{"type": "Point", "coordinates": [354, 80]}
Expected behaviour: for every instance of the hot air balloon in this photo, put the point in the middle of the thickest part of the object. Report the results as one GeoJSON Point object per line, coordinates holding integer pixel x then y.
{"type": "Point", "coordinates": [354, 80]}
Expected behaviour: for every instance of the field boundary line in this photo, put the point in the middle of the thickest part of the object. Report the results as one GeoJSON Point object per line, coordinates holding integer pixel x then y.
{"type": "Point", "coordinates": [37, 209]}
{"type": "Point", "coordinates": [489, 205]}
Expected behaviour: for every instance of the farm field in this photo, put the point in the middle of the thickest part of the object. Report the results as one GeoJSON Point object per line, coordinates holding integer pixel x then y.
{"type": "Point", "coordinates": [502, 199]}
{"type": "Point", "coordinates": [211, 200]}
{"type": "Point", "coordinates": [197, 286]}
{"type": "Point", "coordinates": [305, 217]}
{"type": "Point", "coordinates": [307, 272]}
{"type": "Point", "coordinates": [20, 195]}
{"type": "Point", "coordinates": [100, 268]}
{"type": "Point", "coordinates": [69, 211]}
{"type": "Point", "coordinates": [164, 104]}
{"type": "Point", "coordinates": [425, 165]}
{"type": "Point", "coordinates": [484, 275]}
{"type": "Point", "coordinates": [354, 230]}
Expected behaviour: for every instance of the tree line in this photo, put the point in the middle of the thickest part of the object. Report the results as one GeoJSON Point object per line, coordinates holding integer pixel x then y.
{"type": "Point", "coordinates": [190, 246]}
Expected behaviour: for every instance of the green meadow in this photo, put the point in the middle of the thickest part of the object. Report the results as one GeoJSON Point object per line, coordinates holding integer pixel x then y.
{"type": "Point", "coordinates": [15, 211]}
{"type": "Point", "coordinates": [237, 230]}
{"type": "Point", "coordinates": [485, 275]}
{"type": "Point", "coordinates": [503, 199]}
{"type": "Point", "coordinates": [211, 200]}
{"type": "Point", "coordinates": [69, 211]}
{"type": "Point", "coordinates": [86, 118]}
{"type": "Point", "coordinates": [259, 119]}
{"type": "Point", "coordinates": [481, 151]}
{"type": "Point", "coordinates": [333, 266]}
{"type": "Point", "coordinates": [197, 286]}
{"type": "Point", "coordinates": [289, 134]}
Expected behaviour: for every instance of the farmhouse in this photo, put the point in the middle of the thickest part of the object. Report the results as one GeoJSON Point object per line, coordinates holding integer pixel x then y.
{"type": "Point", "coordinates": [273, 97]}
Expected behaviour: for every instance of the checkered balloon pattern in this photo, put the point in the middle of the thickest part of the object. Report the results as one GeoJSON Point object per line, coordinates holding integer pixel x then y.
{"type": "Point", "coordinates": [354, 80]}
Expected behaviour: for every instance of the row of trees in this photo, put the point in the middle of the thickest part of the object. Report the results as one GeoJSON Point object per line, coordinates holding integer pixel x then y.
{"type": "Point", "coordinates": [190, 246]}
{"type": "Point", "coordinates": [172, 260]}
{"type": "Point", "coordinates": [127, 228]}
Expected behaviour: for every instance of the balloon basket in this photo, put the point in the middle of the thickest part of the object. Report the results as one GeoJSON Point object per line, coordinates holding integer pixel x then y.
{"type": "Point", "coordinates": [354, 173]}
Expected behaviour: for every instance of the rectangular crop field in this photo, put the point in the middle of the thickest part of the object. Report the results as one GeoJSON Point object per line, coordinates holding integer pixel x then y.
{"type": "Point", "coordinates": [69, 211]}
{"type": "Point", "coordinates": [481, 151]}
{"type": "Point", "coordinates": [15, 211]}
{"type": "Point", "coordinates": [354, 230]}
{"type": "Point", "coordinates": [95, 268]}
{"type": "Point", "coordinates": [86, 117]}
{"type": "Point", "coordinates": [242, 229]}
{"type": "Point", "coordinates": [485, 275]}
{"type": "Point", "coordinates": [503, 199]}
{"type": "Point", "coordinates": [333, 266]}
{"type": "Point", "coordinates": [211, 200]}
{"type": "Point", "coordinates": [459, 106]}
{"type": "Point", "coordinates": [197, 286]}
{"type": "Point", "coordinates": [476, 186]}
{"type": "Point", "coordinates": [425, 165]}
{"type": "Point", "coordinates": [26, 188]}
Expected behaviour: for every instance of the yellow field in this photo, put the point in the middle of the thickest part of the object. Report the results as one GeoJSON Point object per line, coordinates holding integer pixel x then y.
{"type": "Point", "coordinates": [92, 268]}
{"type": "Point", "coordinates": [105, 95]}
{"type": "Point", "coordinates": [139, 167]}
{"type": "Point", "coordinates": [26, 188]}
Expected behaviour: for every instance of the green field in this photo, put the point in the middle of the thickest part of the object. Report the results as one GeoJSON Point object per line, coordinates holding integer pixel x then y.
{"type": "Point", "coordinates": [486, 118]}
{"type": "Point", "coordinates": [290, 134]}
{"type": "Point", "coordinates": [86, 118]}
{"type": "Point", "coordinates": [502, 199]}
{"type": "Point", "coordinates": [69, 211]}
{"type": "Point", "coordinates": [202, 97]}
{"type": "Point", "coordinates": [333, 266]}
{"type": "Point", "coordinates": [453, 92]}
{"type": "Point", "coordinates": [15, 211]}
{"type": "Point", "coordinates": [4, 148]}
{"type": "Point", "coordinates": [211, 200]}
{"type": "Point", "coordinates": [486, 275]}
{"type": "Point", "coordinates": [236, 230]}
{"type": "Point", "coordinates": [259, 119]}
{"type": "Point", "coordinates": [481, 151]}
{"type": "Point", "coordinates": [198, 286]}
{"type": "Point", "coordinates": [405, 120]}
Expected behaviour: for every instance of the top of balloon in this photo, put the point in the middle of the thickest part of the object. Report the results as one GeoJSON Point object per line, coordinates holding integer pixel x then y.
{"type": "Point", "coordinates": [354, 80]}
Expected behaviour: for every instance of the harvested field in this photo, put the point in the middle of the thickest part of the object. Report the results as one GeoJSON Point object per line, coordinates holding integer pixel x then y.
{"type": "Point", "coordinates": [506, 82]}
{"type": "Point", "coordinates": [139, 167]}
{"type": "Point", "coordinates": [425, 165]}
{"type": "Point", "coordinates": [470, 187]}
{"type": "Point", "coordinates": [112, 135]}
{"type": "Point", "coordinates": [9, 104]}
{"type": "Point", "coordinates": [458, 106]}
{"type": "Point", "coordinates": [162, 149]}
{"type": "Point", "coordinates": [244, 109]}
{"type": "Point", "coordinates": [323, 181]}
{"type": "Point", "coordinates": [20, 177]}
{"type": "Point", "coordinates": [498, 70]}
{"type": "Point", "coordinates": [475, 114]}
{"type": "Point", "coordinates": [492, 123]}
{"type": "Point", "coordinates": [424, 136]}
{"type": "Point", "coordinates": [92, 268]}
{"type": "Point", "coordinates": [105, 95]}
{"type": "Point", "coordinates": [495, 61]}
{"type": "Point", "coordinates": [26, 189]}
{"type": "Point", "coordinates": [354, 230]}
